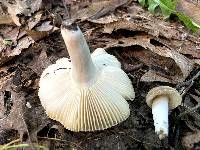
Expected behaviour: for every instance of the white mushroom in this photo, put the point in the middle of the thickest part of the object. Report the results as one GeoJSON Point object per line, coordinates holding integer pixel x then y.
{"type": "Point", "coordinates": [87, 93]}
{"type": "Point", "coordinates": [161, 99]}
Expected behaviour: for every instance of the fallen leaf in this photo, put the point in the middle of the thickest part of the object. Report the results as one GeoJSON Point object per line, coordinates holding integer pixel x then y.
{"type": "Point", "coordinates": [14, 99]}
{"type": "Point", "coordinates": [14, 117]}
{"type": "Point", "coordinates": [46, 26]}
{"type": "Point", "coordinates": [41, 31]}
{"type": "Point", "coordinates": [152, 76]}
{"type": "Point", "coordinates": [107, 19]}
{"type": "Point", "coordinates": [143, 23]}
{"type": "Point", "coordinates": [34, 20]}
{"type": "Point", "coordinates": [5, 18]}
{"type": "Point", "coordinates": [23, 43]}
{"type": "Point", "coordinates": [185, 64]}
{"type": "Point", "coordinates": [38, 64]}
{"type": "Point", "coordinates": [172, 66]}
{"type": "Point", "coordinates": [10, 32]}
{"type": "Point", "coordinates": [189, 8]}
{"type": "Point", "coordinates": [192, 112]}
{"type": "Point", "coordinates": [21, 38]}
{"type": "Point", "coordinates": [21, 9]}
{"type": "Point", "coordinates": [36, 35]}
{"type": "Point", "coordinates": [95, 10]}
{"type": "Point", "coordinates": [35, 5]}
{"type": "Point", "coordinates": [185, 46]}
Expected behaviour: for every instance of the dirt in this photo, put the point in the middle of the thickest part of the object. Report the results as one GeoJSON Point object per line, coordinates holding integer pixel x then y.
{"type": "Point", "coordinates": [23, 117]}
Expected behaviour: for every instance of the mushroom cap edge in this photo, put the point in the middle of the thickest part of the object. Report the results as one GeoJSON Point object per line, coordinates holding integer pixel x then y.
{"type": "Point", "coordinates": [175, 98]}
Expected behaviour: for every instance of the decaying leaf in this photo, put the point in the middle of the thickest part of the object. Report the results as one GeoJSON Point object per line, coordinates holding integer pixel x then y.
{"type": "Point", "coordinates": [95, 10]}
{"type": "Point", "coordinates": [41, 31]}
{"type": "Point", "coordinates": [185, 46]}
{"type": "Point", "coordinates": [189, 8]}
{"type": "Point", "coordinates": [40, 63]}
{"type": "Point", "coordinates": [173, 70]}
{"type": "Point", "coordinates": [34, 20]}
{"type": "Point", "coordinates": [22, 38]}
{"type": "Point", "coordinates": [22, 8]}
{"type": "Point", "coordinates": [154, 76]}
{"type": "Point", "coordinates": [186, 65]}
{"type": "Point", "coordinates": [14, 103]}
{"type": "Point", "coordinates": [106, 19]}
{"type": "Point", "coordinates": [167, 8]}
{"type": "Point", "coordinates": [16, 114]}
{"type": "Point", "coordinates": [5, 18]}
{"type": "Point", "coordinates": [143, 23]}
{"type": "Point", "coordinates": [162, 38]}
{"type": "Point", "coordinates": [23, 43]}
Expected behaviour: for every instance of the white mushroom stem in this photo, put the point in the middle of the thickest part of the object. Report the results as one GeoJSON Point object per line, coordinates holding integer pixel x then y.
{"type": "Point", "coordinates": [160, 116]}
{"type": "Point", "coordinates": [83, 69]}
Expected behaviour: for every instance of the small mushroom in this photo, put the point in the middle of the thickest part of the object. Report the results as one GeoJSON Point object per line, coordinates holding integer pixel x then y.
{"type": "Point", "coordinates": [87, 93]}
{"type": "Point", "coordinates": [161, 99]}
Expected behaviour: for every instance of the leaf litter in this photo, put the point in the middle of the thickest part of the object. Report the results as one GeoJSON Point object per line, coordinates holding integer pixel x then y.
{"type": "Point", "coordinates": [38, 25]}
{"type": "Point", "coordinates": [151, 50]}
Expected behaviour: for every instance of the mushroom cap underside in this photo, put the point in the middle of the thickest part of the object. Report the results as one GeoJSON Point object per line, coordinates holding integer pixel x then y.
{"type": "Point", "coordinates": [96, 107]}
{"type": "Point", "coordinates": [101, 59]}
{"type": "Point", "coordinates": [173, 95]}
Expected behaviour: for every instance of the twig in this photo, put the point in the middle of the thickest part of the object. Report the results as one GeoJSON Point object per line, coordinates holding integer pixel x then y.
{"type": "Point", "coordinates": [190, 109]}
{"type": "Point", "coordinates": [188, 83]}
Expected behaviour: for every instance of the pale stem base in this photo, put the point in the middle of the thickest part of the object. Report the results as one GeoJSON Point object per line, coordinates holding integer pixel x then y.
{"type": "Point", "coordinates": [160, 116]}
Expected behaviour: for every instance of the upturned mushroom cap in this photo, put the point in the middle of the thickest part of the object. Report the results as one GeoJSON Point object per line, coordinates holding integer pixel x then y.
{"type": "Point", "coordinates": [173, 95]}
{"type": "Point", "coordinates": [98, 106]}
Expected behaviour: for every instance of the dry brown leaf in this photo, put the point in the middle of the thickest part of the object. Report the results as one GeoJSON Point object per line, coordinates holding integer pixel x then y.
{"type": "Point", "coordinates": [14, 102]}
{"type": "Point", "coordinates": [152, 76]}
{"type": "Point", "coordinates": [107, 19]}
{"type": "Point", "coordinates": [23, 43]}
{"type": "Point", "coordinates": [5, 18]}
{"type": "Point", "coordinates": [189, 8]}
{"type": "Point", "coordinates": [35, 35]}
{"type": "Point", "coordinates": [167, 34]}
{"type": "Point", "coordinates": [39, 63]}
{"type": "Point", "coordinates": [35, 5]}
{"type": "Point", "coordinates": [7, 53]}
{"type": "Point", "coordinates": [160, 58]}
{"type": "Point", "coordinates": [22, 39]}
{"type": "Point", "coordinates": [34, 20]}
{"type": "Point", "coordinates": [9, 33]}
{"type": "Point", "coordinates": [16, 114]}
{"type": "Point", "coordinates": [95, 10]}
{"type": "Point", "coordinates": [46, 26]}
{"type": "Point", "coordinates": [22, 8]}
{"type": "Point", "coordinates": [186, 46]}
{"type": "Point", "coordinates": [41, 31]}
{"type": "Point", "coordinates": [186, 65]}
{"type": "Point", "coordinates": [143, 23]}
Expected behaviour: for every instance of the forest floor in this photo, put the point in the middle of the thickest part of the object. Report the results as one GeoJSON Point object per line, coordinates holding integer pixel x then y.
{"type": "Point", "coordinates": [152, 51]}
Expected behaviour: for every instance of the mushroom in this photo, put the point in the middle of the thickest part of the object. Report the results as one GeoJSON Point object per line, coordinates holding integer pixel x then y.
{"type": "Point", "coordinates": [88, 92]}
{"type": "Point", "coordinates": [161, 99]}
